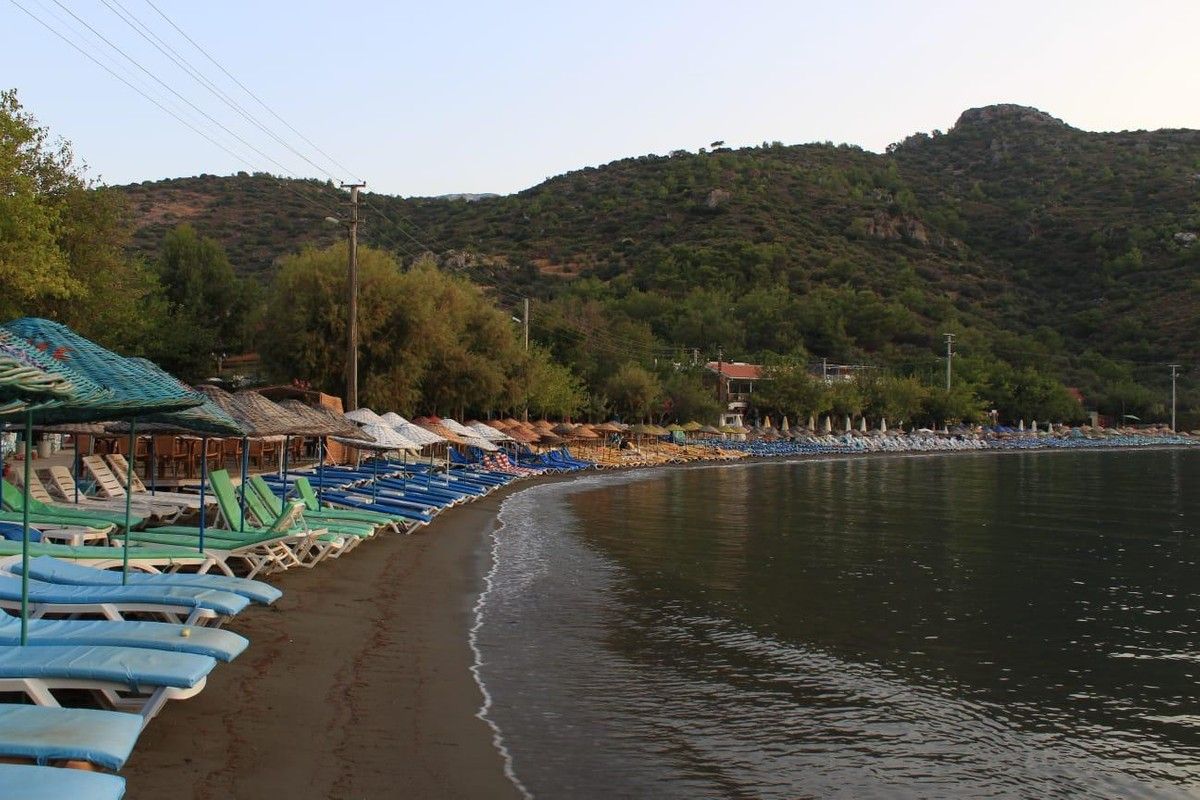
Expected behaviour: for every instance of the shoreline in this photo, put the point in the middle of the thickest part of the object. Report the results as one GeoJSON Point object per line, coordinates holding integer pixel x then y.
{"type": "Point", "coordinates": [360, 681]}
{"type": "Point", "coordinates": [357, 682]}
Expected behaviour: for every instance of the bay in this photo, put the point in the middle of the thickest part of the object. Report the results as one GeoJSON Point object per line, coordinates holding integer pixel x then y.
{"type": "Point", "coordinates": [973, 625]}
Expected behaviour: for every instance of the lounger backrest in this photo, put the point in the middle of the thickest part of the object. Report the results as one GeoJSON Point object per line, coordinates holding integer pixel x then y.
{"type": "Point", "coordinates": [14, 498]}
{"type": "Point", "coordinates": [61, 481]}
{"type": "Point", "coordinates": [120, 468]}
{"type": "Point", "coordinates": [227, 502]}
{"type": "Point", "coordinates": [265, 494]}
{"type": "Point", "coordinates": [305, 490]}
{"type": "Point", "coordinates": [107, 484]}
{"type": "Point", "coordinates": [290, 519]}
{"type": "Point", "coordinates": [254, 501]}
{"type": "Point", "coordinates": [37, 490]}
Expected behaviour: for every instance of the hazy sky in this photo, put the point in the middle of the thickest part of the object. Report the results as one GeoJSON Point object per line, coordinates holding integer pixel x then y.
{"type": "Point", "coordinates": [432, 98]}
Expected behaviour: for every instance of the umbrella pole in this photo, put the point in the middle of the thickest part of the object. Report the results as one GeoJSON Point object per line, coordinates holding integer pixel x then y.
{"type": "Point", "coordinates": [287, 445]}
{"type": "Point", "coordinates": [245, 469]}
{"type": "Point", "coordinates": [25, 530]}
{"type": "Point", "coordinates": [153, 468]}
{"type": "Point", "coordinates": [374, 479]}
{"type": "Point", "coordinates": [128, 501]}
{"type": "Point", "coordinates": [320, 467]}
{"type": "Point", "coordinates": [203, 488]}
{"type": "Point", "coordinates": [74, 465]}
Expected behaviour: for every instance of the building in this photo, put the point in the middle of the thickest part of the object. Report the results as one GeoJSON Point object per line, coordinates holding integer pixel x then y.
{"type": "Point", "coordinates": [735, 382]}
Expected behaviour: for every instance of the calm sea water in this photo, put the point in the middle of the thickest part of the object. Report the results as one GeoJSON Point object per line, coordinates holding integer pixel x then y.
{"type": "Point", "coordinates": [991, 625]}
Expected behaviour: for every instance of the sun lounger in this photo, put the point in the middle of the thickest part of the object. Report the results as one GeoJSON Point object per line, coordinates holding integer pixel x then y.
{"type": "Point", "coordinates": [314, 544]}
{"type": "Point", "coordinates": [54, 570]}
{"type": "Point", "coordinates": [213, 642]}
{"type": "Point", "coordinates": [54, 735]}
{"type": "Point", "coordinates": [148, 559]}
{"type": "Point", "coordinates": [305, 492]}
{"type": "Point", "coordinates": [62, 484]}
{"type": "Point", "coordinates": [127, 678]}
{"type": "Point", "coordinates": [266, 505]}
{"type": "Point", "coordinates": [117, 467]}
{"type": "Point", "coordinates": [175, 604]}
{"type": "Point", "coordinates": [29, 782]}
{"type": "Point", "coordinates": [273, 548]}
{"type": "Point", "coordinates": [14, 501]}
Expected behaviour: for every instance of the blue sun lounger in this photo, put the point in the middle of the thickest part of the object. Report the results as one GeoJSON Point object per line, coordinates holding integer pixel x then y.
{"type": "Point", "coordinates": [195, 606]}
{"type": "Point", "coordinates": [129, 678]}
{"type": "Point", "coordinates": [52, 570]}
{"type": "Point", "coordinates": [47, 735]}
{"type": "Point", "coordinates": [201, 640]}
{"type": "Point", "coordinates": [26, 782]}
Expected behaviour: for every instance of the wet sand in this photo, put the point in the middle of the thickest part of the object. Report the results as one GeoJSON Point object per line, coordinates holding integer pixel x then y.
{"type": "Point", "coordinates": [356, 684]}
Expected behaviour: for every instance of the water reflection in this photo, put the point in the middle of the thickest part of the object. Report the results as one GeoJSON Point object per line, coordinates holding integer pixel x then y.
{"type": "Point", "coordinates": [975, 625]}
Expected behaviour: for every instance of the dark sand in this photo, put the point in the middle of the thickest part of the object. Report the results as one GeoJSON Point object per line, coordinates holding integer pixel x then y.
{"type": "Point", "coordinates": [356, 684]}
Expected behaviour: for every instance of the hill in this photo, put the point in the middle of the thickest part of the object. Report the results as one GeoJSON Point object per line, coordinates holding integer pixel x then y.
{"type": "Point", "coordinates": [1039, 242]}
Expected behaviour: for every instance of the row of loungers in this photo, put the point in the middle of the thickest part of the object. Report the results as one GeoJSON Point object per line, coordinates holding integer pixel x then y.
{"type": "Point", "coordinates": [80, 640]}
{"type": "Point", "coordinates": [138, 643]}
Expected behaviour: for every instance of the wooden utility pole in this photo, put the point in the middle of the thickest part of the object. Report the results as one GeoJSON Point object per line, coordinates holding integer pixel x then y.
{"type": "Point", "coordinates": [352, 307]}
{"type": "Point", "coordinates": [949, 356]}
{"type": "Point", "coordinates": [525, 325]}
{"type": "Point", "coordinates": [1174, 372]}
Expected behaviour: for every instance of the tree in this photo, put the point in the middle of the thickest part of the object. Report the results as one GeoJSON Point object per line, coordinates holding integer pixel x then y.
{"type": "Point", "coordinates": [428, 341]}
{"type": "Point", "coordinates": [958, 404]}
{"type": "Point", "coordinates": [634, 391]}
{"type": "Point", "coordinates": [789, 389]}
{"type": "Point", "coordinates": [63, 242]}
{"type": "Point", "coordinates": [553, 390]}
{"type": "Point", "coordinates": [688, 398]}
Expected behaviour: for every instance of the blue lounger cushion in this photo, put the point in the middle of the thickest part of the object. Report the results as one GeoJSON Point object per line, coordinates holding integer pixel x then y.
{"type": "Point", "coordinates": [44, 735]}
{"type": "Point", "coordinates": [184, 597]}
{"type": "Point", "coordinates": [28, 782]}
{"type": "Point", "coordinates": [202, 640]}
{"type": "Point", "coordinates": [134, 668]}
{"type": "Point", "coordinates": [53, 570]}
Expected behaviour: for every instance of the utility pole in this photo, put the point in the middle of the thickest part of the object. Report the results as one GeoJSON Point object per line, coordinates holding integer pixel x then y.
{"type": "Point", "coordinates": [352, 307]}
{"type": "Point", "coordinates": [949, 355]}
{"type": "Point", "coordinates": [1174, 372]}
{"type": "Point", "coordinates": [525, 325]}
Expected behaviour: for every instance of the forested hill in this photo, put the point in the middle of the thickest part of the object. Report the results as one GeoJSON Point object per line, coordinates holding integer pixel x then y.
{"type": "Point", "coordinates": [1040, 238]}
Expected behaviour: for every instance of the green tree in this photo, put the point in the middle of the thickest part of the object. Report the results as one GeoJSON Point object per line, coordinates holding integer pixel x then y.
{"type": "Point", "coordinates": [688, 398]}
{"type": "Point", "coordinates": [634, 391]}
{"type": "Point", "coordinates": [553, 390]}
{"type": "Point", "coordinates": [789, 389]}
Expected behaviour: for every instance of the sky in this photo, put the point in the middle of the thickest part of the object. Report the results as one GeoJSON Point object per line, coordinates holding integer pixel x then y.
{"type": "Point", "coordinates": [438, 98]}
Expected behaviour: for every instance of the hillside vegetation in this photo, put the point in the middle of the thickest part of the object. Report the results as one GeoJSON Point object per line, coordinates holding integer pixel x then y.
{"type": "Point", "coordinates": [1043, 247]}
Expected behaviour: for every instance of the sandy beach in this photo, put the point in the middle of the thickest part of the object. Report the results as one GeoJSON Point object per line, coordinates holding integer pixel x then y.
{"type": "Point", "coordinates": [357, 684]}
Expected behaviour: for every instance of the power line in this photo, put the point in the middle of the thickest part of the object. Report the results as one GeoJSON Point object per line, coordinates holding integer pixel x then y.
{"type": "Point", "coordinates": [252, 95]}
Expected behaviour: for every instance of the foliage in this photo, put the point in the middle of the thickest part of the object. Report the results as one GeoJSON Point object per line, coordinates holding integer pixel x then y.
{"type": "Point", "coordinates": [688, 398]}
{"type": "Point", "coordinates": [788, 389]}
{"type": "Point", "coordinates": [634, 391]}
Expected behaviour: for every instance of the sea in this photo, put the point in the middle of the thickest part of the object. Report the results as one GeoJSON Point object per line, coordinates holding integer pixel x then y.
{"type": "Point", "coordinates": [965, 625]}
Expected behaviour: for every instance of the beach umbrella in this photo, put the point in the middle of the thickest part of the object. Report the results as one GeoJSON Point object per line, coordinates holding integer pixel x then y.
{"type": "Point", "coordinates": [253, 425]}
{"type": "Point", "coordinates": [693, 426]}
{"type": "Point", "coordinates": [848, 425]}
{"type": "Point", "coordinates": [1021, 426]}
{"type": "Point", "coordinates": [135, 387]}
{"type": "Point", "coordinates": [208, 418]}
{"type": "Point", "coordinates": [1033, 426]}
{"type": "Point", "coordinates": [883, 425]}
{"type": "Point", "coordinates": [383, 437]}
{"type": "Point", "coordinates": [31, 379]}
{"type": "Point", "coordinates": [767, 421]}
{"type": "Point", "coordinates": [783, 426]}
{"type": "Point", "coordinates": [563, 429]}
{"type": "Point", "coordinates": [862, 424]}
{"type": "Point", "coordinates": [316, 421]}
{"type": "Point", "coordinates": [364, 416]}
{"type": "Point", "coordinates": [812, 422]}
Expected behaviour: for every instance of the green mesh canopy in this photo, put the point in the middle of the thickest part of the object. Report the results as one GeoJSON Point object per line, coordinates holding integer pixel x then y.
{"type": "Point", "coordinates": [132, 387]}
{"type": "Point", "coordinates": [31, 378]}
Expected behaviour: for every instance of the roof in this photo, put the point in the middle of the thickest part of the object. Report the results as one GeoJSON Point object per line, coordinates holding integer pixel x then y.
{"type": "Point", "coordinates": [737, 370]}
